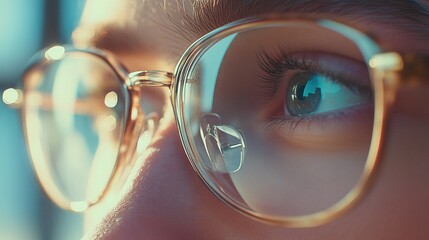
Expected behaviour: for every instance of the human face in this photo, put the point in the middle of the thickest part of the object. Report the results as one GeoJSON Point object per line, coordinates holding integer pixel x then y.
{"type": "Point", "coordinates": [165, 199]}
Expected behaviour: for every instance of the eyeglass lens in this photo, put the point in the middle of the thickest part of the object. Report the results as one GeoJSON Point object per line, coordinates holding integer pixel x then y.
{"type": "Point", "coordinates": [283, 119]}
{"type": "Point", "coordinates": [74, 114]}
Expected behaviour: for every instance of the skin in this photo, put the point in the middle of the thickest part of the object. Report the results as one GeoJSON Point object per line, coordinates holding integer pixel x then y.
{"type": "Point", "coordinates": [164, 198]}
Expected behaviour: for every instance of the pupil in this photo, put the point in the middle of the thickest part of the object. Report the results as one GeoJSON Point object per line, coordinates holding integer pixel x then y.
{"type": "Point", "coordinates": [303, 94]}
{"type": "Point", "coordinates": [300, 92]}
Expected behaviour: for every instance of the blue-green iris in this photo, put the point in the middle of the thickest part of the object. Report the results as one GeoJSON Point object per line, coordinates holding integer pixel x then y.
{"type": "Point", "coordinates": [314, 93]}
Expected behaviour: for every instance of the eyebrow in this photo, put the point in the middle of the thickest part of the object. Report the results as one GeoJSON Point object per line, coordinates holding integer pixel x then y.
{"type": "Point", "coordinates": [412, 16]}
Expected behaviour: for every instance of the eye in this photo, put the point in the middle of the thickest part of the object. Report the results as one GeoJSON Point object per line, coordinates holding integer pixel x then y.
{"type": "Point", "coordinates": [314, 93]}
{"type": "Point", "coordinates": [315, 99]}
{"type": "Point", "coordinates": [312, 86]}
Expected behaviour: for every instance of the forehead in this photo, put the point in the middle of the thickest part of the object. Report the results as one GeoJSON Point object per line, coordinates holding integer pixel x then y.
{"type": "Point", "coordinates": [153, 34]}
{"type": "Point", "coordinates": [127, 28]}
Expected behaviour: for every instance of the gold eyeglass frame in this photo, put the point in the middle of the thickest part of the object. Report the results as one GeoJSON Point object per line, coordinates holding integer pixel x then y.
{"type": "Point", "coordinates": [388, 70]}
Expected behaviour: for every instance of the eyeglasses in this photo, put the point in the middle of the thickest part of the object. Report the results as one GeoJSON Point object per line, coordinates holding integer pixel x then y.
{"type": "Point", "coordinates": [282, 118]}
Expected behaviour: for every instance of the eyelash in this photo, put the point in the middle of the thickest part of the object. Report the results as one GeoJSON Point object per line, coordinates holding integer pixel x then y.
{"type": "Point", "coordinates": [289, 124]}
{"type": "Point", "coordinates": [275, 64]}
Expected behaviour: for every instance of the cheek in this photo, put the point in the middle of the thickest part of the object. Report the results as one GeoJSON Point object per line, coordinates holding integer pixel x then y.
{"type": "Point", "coordinates": [398, 200]}
{"type": "Point", "coordinates": [303, 176]}
{"type": "Point", "coordinates": [399, 197]}
{"type": "Point", "coordinates": [407, 154]}
{"type": "Point", "coordinates": [95, 214]}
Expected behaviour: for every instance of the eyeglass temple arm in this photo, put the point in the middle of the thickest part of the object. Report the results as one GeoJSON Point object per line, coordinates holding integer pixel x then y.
{"type": "Point", "coordinates": [410, 68]}
{"type": "Point", "coordinates": [391, 70]}
{"type": "Point", "coordinates": [416, 68]}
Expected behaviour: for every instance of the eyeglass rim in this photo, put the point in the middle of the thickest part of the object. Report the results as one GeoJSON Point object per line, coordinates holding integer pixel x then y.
{"type": "Point", "coordinates": [46, 181]}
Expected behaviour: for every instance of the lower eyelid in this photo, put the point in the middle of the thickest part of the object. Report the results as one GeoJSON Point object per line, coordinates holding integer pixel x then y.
{"type": "Point", "coordinates": [310, 133]}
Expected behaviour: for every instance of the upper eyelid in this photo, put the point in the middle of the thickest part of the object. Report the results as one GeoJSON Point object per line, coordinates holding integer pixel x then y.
{"type": "Point", "coordinates": [275, 65]}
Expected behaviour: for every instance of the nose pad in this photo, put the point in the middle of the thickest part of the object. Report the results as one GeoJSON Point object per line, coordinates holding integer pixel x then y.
{"type": "Point", "coordinates": [225, 146]}
{"type": "Point", "coordinates": [140, 136]}
{"type": "Point", "coordinates": [150, 126]}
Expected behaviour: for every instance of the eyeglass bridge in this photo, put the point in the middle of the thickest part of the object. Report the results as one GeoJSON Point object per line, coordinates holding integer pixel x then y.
{"type": "Point", "coordinates": [154, 78]}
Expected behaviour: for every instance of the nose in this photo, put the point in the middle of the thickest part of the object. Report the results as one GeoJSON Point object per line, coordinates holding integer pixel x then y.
{"type": "Point", "coordinates": [166, 199]}
{"type": "Point", "coordinates": [161, 185]}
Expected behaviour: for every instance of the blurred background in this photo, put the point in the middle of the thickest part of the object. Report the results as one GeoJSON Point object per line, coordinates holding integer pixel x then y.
{"type": "Point", "coordinates": [26, 26]}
